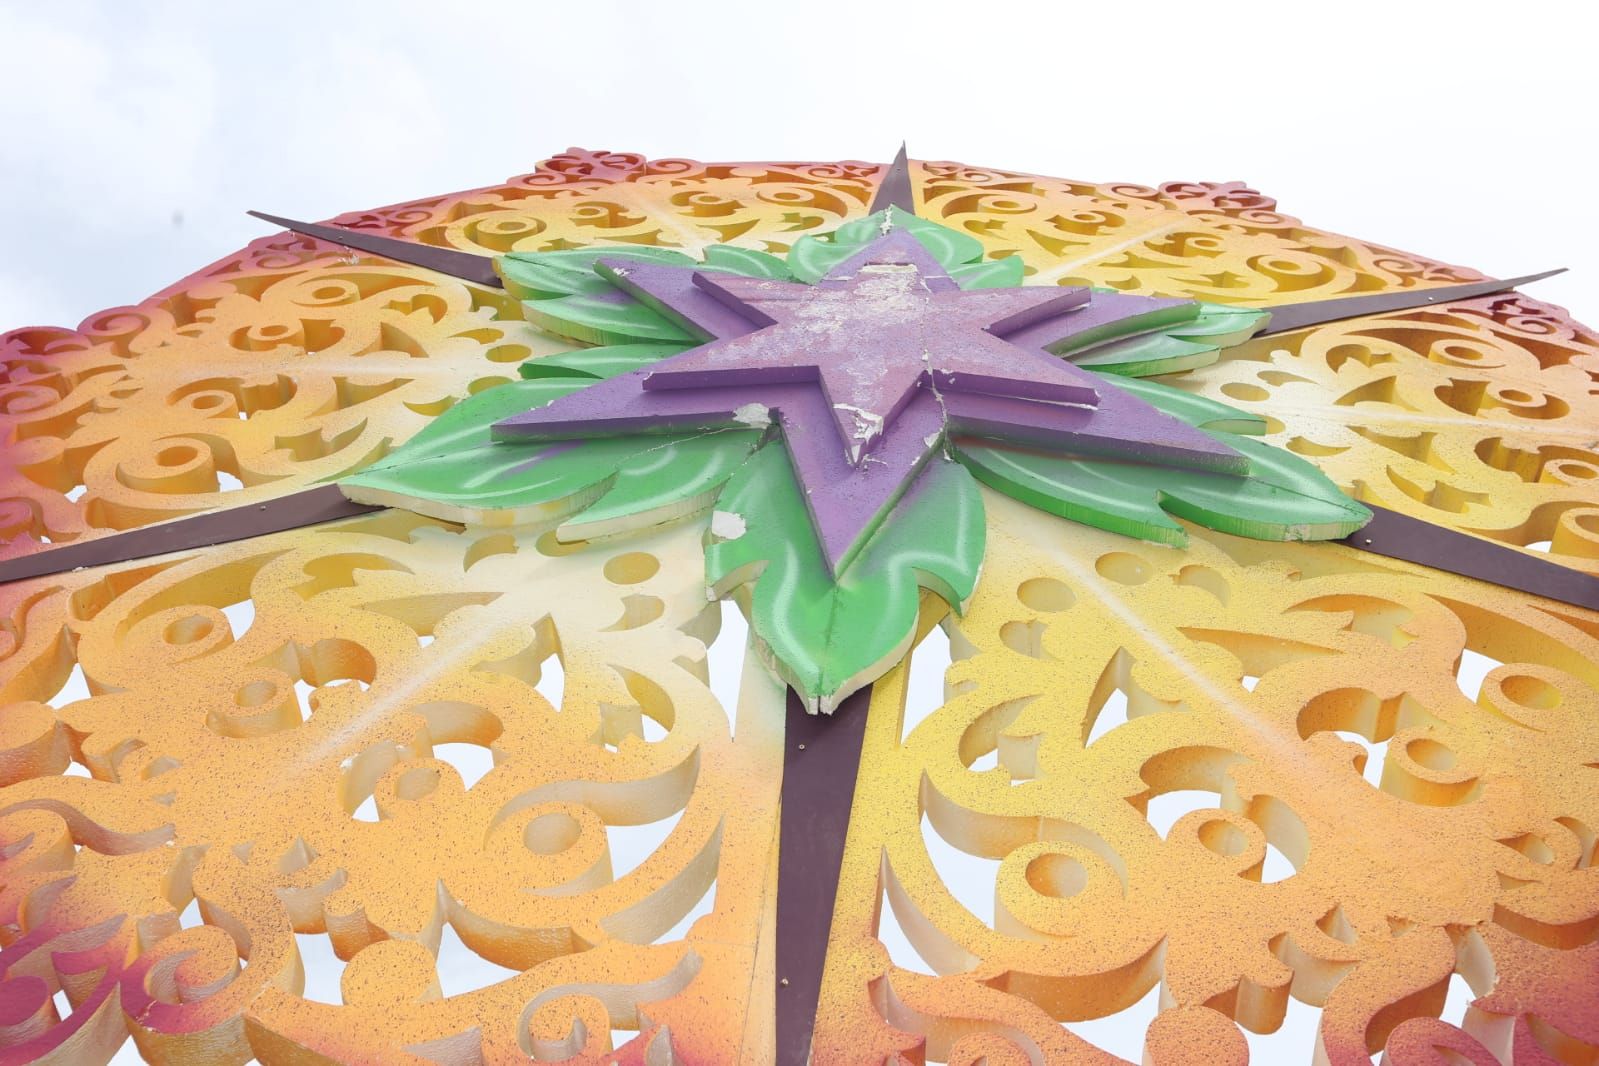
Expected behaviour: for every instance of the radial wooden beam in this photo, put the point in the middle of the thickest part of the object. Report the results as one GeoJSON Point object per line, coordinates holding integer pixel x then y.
{"type": "Point", "coordinates": [308, 508]}
{"type": "Point", "coordinates": [1288, 317]}
{"type": "Point", "coordinates": [1400, 536]}
{"type": "Point", "coordinates": [821, 758]}
{"type": "Point", "coordinates": [467, 266]}
{"type": "Point", "coordinates": [895, 188]}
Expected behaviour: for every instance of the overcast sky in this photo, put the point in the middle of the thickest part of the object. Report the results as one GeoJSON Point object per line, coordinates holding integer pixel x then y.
{"type": "Point", "coordinates": [136, 135]}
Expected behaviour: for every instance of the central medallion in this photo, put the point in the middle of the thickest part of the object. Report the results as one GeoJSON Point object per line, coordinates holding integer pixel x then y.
{"type": "Point", "coordinates": [869, 370]}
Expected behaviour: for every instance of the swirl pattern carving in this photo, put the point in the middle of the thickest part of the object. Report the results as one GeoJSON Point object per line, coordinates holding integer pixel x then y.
{"type": "Point", "coordinates": [274, 728]}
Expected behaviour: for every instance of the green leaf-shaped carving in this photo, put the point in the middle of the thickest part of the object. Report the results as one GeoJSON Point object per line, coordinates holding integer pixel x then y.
{"type": "Point", "coordinates": [542, 275]}
{"type": "Point", "coordinates": [746, 261]}
{"type": "Point", "coordinates": [829, 634]}
{"type": "Point", "coordinates": [612, 319]}
{"type": "Point", "coordinates": [571, 295]}
{"type": "Point", "coordinates": [593, 363]}
{"type": "Point", "coordinates": [1282, 497]}
{"type": "Point", "coordinates": [455, 470]}
{"type": "Point", "coordinates": [828, 637]}
{"type": "Point", "coordinates": [1188, 342]}
{"type": "Point", "coordinates": [812, 257]}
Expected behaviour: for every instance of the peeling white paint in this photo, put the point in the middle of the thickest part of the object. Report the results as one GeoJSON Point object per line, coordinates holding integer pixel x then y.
{"type": "Point", "coordinates": [753, 414]}
{"type": "Point", "coordinates": [728, 525]}
{"type": "Point", "coordinates": [867, 427]}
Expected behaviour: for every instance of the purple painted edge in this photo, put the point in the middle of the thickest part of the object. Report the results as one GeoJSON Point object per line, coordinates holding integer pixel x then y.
{"type": "Point", "coordinates": [478, 269]}
{"type": "Point", "coordinates": [306, 508]}
{"type": "Point", "coordinates": [821, 761]}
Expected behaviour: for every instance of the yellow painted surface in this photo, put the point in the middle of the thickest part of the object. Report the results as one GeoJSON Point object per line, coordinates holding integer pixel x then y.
{"type": "Point", "coordinates": [229, 765]}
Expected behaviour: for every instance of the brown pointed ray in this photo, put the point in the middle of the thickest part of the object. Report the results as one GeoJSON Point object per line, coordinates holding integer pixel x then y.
{"type": "Point", "coordinates": [306, 508]}
{"type": "Point", "coordinates": [895, 190]}
{"type": "Point", "coordinates": [1287, 317]}
{"type": "Point", "coordinates": [478, 269]}
{"type": "Point", "coordinates": [1416, 540]}
{"type": "Point", "coordinates": [821, 760]}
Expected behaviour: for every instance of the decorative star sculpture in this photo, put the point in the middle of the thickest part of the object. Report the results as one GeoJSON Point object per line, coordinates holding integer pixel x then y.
{"type": "Point", "coordinates": [868, 370]}
{"type": "Point", "coordinates": [866, 373]}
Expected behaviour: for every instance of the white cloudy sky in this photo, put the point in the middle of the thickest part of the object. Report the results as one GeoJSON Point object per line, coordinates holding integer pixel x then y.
{"type": "Point", "coordinates": [134, 136]}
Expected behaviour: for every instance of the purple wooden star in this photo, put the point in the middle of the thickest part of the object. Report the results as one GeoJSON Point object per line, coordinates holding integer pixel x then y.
{"type": "Point", "coordinates": [866, 371]}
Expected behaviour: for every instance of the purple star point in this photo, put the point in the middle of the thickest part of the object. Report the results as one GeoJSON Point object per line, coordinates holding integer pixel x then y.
{"type": "Point", "coordinates": [866, 372]}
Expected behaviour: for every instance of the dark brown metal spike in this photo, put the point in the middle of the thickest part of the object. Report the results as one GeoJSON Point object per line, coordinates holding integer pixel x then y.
{"type": "Point", "coordinates": [1400, 536]}
{"type": "Point", "coordinates": [308, 508]}
{"type": "Point", "coordinates": [895, 189]}
{"type": "Point", "coordinates": [467, 266]}
{"type": "Point", "coordinates": [1288, 317]}
{"type": "Point", "coordinates": [821, 758]}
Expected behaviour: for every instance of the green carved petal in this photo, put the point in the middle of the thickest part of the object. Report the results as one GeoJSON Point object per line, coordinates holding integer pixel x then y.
{"type": "Point", "coordinates": [826, 637]}
{"type": "Point", "coordinates": [1223, 324]}
{"type": "Point", "coordinates": [604, 362]}
{"type": "Point", "coordinates": [596, 321]}
{"type": "Point", "coordinates": [1004, 273]}
{"type": "Point", "coordinates": [1199, 411]}
{"type": "Point", "coordinates": [663, 481]}
{"type": "Point", "coordinates": [863, 230]}
{"type": "Point", "coordinates": [810, 258]}
{"type": "Point", "coordinates": [1282, 497]}
{"type": "Point", "coordinates": [628, 481]}
{"type": "Point", "coordinates": [1192, 341]}
{"type": "Point", "coordinates": [467, 423]}
{"type": "Point", "coordinates": [746, 261]}
{"type": "Point", "coordinates": [950, 247]}
{"type": "Point", "coordinates": [541, 275]}
{"type": "Point", "coordinates": [498, 484]}
{"type": "Point", "coordinates": [543, 279]}
{"type": "Point", "coordinates": [571, 294]}
{"type": "Point", "coordinates": [1165, 320]}
{"type": "Point", "coordinates": [1153, 353]}
{"type": "Point", "coordinates": [1081, 490]}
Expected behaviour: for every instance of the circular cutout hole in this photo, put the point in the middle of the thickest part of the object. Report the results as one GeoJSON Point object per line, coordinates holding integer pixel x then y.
{"type": "Point", "coordinates": [1240, 391]}
{"type": "Point", "coordinates": [1045, 594]}
{"type": "Point", "coordinates": [551, 834]}
{"type": "Point", "coordinates": [1588, 522]}
{"type": "Point", "coordinates": [190, 629]}
{"type": "Point", "coordinates": [1459, 352]}
{"type": "Point", "coordinates": [1515, 396]}
{"type": "Point", "coordinates": [414, 784]}
{"type": "Point", "coordinates": [1123, 567]}
{"type": "Point", "coordinates": [1531, 691]}
{"type": "Point", "coordinates": [178, 455]}
{"type": "Point", "coordinates": [323, 292]}
{"type": "Point", "coordinates": [631, 568]}
{"type": "Point", "coordinates": [1223, 838]}
{"type": "Point", "coordinates": [509, 353]}
{"type": "Point", "coordinates": [257, 694]}
{"type": "Point", "coordinates": [1057, 876]}
{"type": "Point", "coordinates": [1431, 754]}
